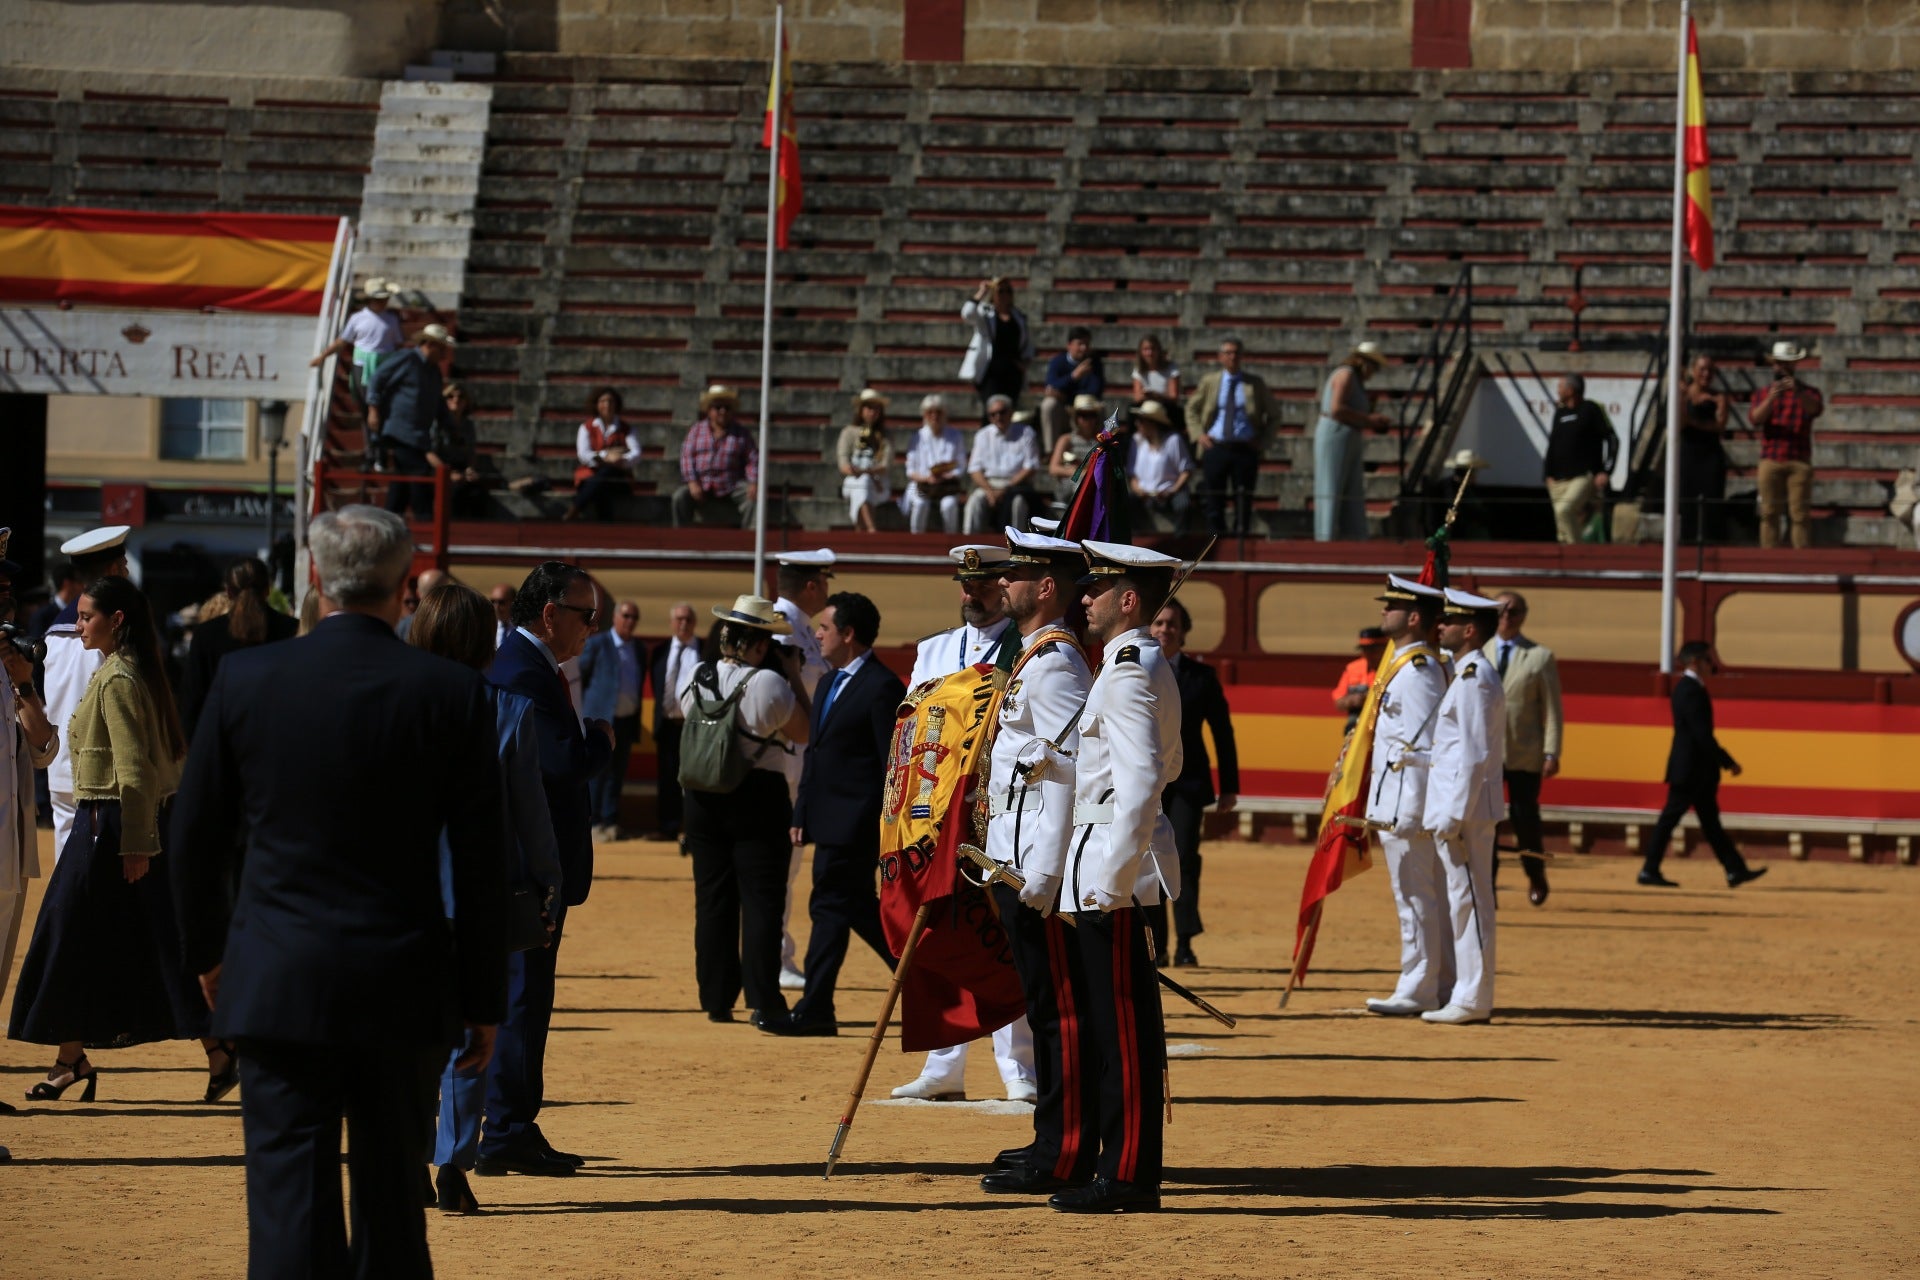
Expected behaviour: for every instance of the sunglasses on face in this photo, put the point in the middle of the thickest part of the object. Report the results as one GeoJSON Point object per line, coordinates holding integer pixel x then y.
{"type": "Point", "coordinates": [586, 611]}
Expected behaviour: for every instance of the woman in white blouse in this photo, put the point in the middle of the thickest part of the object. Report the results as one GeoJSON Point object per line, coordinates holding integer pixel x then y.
{"type": "Point", "coordinates": [936, 463]}
{"type": "Point", "coordinates": [738, 839]}
{"type": "Point", "coordinates": [865, 456]}
{"type": "Point", "coordinates": [1159, 468]}
{"type": "Point", "coordinates": [606, 454]}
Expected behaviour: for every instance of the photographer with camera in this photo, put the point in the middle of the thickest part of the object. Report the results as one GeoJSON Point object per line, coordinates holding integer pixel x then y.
{"type": "Point", "coordinates": [1783, 414]}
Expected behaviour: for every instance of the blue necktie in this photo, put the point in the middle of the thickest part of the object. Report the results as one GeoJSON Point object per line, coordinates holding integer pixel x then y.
{"type": "Point", "coordinates": [833, 691]}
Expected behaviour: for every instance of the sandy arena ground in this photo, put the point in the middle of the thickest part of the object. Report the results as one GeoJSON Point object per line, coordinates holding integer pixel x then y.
{"type": "Point", "coordinates": [1684, 1083]}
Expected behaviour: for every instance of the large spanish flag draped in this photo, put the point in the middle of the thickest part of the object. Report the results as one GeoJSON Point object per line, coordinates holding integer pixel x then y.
{"type": "Point", "coordinates": [184, 261]}
{"type": "Point", "coordinates": [1699, 180]}
{"type": "Point", "coordinates": [787, 157]}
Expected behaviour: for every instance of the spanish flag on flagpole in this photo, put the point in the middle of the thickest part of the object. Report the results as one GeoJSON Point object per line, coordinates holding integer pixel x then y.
{"type": "Point", "coordinates": [1699, 179]}
{"type": "Point", "coordinates": [787, 158]}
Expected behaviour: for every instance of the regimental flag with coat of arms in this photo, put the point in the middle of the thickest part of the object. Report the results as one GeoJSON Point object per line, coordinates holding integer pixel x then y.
{"type": "Point", "coordinates": [1699, 213]}
{"type": "Point", "coordinates": [786, 157]}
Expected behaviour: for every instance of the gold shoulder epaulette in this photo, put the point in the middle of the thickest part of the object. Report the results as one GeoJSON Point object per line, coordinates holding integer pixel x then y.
{"type": "Point", "coordinates": [1466, 673]}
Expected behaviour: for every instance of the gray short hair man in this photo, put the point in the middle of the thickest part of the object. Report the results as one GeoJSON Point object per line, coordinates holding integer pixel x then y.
{"type": "Point", "coordinates": [362, 555]}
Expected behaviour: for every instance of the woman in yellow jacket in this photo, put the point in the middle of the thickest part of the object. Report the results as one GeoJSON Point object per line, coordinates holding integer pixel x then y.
{"type": "Point", "coordinates": [104, 968]}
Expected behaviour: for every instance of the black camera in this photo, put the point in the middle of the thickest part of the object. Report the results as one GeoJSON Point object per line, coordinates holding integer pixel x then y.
{"type": "Point", "coordinates": [33, 650]}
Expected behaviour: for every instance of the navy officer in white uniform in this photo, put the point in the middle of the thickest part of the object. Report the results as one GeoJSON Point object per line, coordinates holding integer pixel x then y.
{"type": "Point", "coordinates": [1123, 858]}
{"type": "Point", "coordinates": [1397, 794]}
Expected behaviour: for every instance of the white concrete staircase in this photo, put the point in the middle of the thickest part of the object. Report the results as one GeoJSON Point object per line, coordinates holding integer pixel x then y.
{"type": "Point", "coordinates": [416, 210]}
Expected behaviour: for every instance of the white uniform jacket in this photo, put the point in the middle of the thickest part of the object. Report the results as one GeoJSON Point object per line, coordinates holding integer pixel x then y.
{"type": "Point", "coordinates": [812, 669]}
{"type": "Point", "coordinates": [69, 670]}
{"type": "Point", "coordinates": [1397, 790]}
{"type": "Point", "coordinates": [945, 652]}
{"type": "Point", "coordinates": [1469, 748]}
{"type": "Point", "coordinates": [1041, 705]}
{"type": "Point", "coordinates": [1129, 751]}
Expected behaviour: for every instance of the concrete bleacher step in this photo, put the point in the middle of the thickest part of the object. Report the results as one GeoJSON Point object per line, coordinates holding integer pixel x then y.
{"type": "Point", "coordinates": [423, 182]}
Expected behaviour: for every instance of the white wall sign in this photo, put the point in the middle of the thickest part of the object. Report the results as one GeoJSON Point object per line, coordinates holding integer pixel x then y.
{"type": "Point", "coordinates": [1504, 424]}
{"type": "Point", "coordinates": [90, 351]}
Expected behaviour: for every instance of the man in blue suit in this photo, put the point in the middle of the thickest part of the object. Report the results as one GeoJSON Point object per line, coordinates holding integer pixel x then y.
{"type": "Point", "coordinates": [553, 613]}
{"type": "Point", "coordinates": [613, 677]}
{"type": "Point", "coordinates": [838, 811]}
{"type": "Point", "coordinates": [340, 757]}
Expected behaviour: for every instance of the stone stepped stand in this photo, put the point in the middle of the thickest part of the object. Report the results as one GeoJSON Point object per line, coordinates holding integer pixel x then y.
{"type": "Point", "coordinates": [417, 205]}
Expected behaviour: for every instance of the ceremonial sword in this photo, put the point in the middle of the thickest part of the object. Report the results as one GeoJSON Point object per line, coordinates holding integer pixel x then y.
{"type": "Point", "coordinates": [1000, 872]}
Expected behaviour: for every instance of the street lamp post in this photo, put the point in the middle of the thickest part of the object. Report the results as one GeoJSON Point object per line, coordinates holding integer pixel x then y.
{"type": "Point", "coordinates": [273, 433]}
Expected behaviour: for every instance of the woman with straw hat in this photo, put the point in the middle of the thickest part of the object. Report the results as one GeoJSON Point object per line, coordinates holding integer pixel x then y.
{"type": "Point", "coordinates": [865, 456]}
{"type": "Point", "coordinates": [1346, 411]}
{"type": "Point", "coordinates": [738, 839]}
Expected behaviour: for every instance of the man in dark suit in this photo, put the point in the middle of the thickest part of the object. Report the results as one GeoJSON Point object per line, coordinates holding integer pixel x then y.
{"type": "Point", "coordinates": [613, 678]}
{"type": "Point", "coordinates": [1693, 773]}
{"type": "Point", "coordinates": [553, 613]}
{"type": "Point", "coordinates": [1203, 705]}
{"type": "Point", "coordinates": [674, 660]}
{"type": "Point", "coordinates": [838, 810]}
{"type": "Point", "coordinates": [340, 758]}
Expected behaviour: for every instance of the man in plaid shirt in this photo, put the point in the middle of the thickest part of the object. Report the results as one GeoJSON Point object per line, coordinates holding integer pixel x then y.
{"type": "Point", "coordinates": [719, 465]}
{"type": "Point", "coordinates": [1784, 414]}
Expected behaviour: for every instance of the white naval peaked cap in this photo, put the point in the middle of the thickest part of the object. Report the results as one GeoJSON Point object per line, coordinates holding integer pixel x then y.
{"type": "Point", "coordinates": [96, 540]}
{"type": "Point", "coordinates": [1113, 558]}
{"type": "Point", "coordinates": [1399, 588]}
{"type": "Point", "coordinates": [1042, 524]}
{"type": "Point", "coordinates": [978, 560]}
{"type": "Point", "coordinates": [1467, 602]}
{"type": "Point", "coordinates": [1040, 548]}
{"type": "Point", "coordinates": [821, 559]}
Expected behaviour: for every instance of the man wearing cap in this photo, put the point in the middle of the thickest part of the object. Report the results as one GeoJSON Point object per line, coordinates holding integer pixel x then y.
{"type": "Point", "coordinates": [1397, 792]}
{"type": "Point", "coordinates": [934, 462]}
{"type": "Point", "coordinates": [1123, 858]}
{"type": "Point", "coordinates": [1350, 693]}
{"type": "Point", "coordinates": [985, 634]}
{"type": "Point", "coordinates": [371, 333]}
{"type": "Point", "coordinates": [1071, 375]}
{"type": "Point", "coordinates": [1005, 455]}
{"type": "Point", "coordinates": [719, 464]}
{"type": "Point", "coordinates": [405, 404]}
{"type": "Point", "coordinates": [802, 578]}
{"type": "Point", "coordinates": [1783, 414]}
{"type": "Point", "coordinates": [1464, 801]}
{"type": "Point", "coordinates": [1030, 811]}
{"type": "Point", "coordinates": [1339, 446]}
{"type": "Point", "coordinates": [1229, 419]}
{"type": "Point", "coordinates": [1580, 451]}
{"type": "Point", "coordinates": [69, 668]}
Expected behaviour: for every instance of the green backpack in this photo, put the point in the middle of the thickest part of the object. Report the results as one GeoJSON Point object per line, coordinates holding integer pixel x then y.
{"type": "Point", "coordinates": [712, 757]}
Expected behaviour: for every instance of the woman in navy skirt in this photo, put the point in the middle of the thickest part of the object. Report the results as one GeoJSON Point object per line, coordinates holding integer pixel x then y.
{"type": "Point", "coordinates": [104, 969]}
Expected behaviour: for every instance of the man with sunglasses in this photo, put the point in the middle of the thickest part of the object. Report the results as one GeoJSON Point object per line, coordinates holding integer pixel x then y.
{"type": "Point", "coordinates": [553, 614]}
{"type": "Point", "coordinates": [1693, 773]}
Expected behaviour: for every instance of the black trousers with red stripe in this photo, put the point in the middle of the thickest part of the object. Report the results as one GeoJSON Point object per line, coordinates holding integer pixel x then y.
{"type": "Point", "coordinates": [1123, 1004]}
{"type": "Point", "coordinates": [1066, 1110]}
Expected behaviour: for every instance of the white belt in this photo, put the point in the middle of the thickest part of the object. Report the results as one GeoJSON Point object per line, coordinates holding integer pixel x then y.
{"type": "Point", "coordinates": [1087, 815]}
{"type": "Point", "coordinates": [1002, 802]}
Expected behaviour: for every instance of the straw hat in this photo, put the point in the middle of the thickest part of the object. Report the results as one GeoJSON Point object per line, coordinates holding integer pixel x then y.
{"type": "Point", "coordinates": [716, 394]}
{"type": "Point", "coordinates": [869, 396]}
{"type": "Point", "coordinates": [1152, 411]}
{"type": "Point", "coordinates": [377, 288]}
{"type": "Point", "coordinates": [754, 611]}
{"type": "Point", "coordinates": [1787, 353]}
{"type": "Point", "coordinates": [436, 333]}
{"type": "Point", "coordinates": [1088, 404]}
{"type": "Point", "coordinates": [1370, 352]}
{"type": "Point", "coordinates": [1468, 460]}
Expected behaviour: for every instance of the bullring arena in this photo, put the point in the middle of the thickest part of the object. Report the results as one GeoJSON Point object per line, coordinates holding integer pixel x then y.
{"type": "Point", "coordinates": [1480, 194]}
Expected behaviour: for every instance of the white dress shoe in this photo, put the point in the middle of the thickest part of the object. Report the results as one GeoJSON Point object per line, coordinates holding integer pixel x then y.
{"type": "Point", "coordinates": [1022, 1091]}
{"type": "Point", "coordinates": [792, 979]}
{"type": "Point", "coordinates": [1455, 1015]}
{"type": "Point", "coordinates": [1396, 1006]}
{"type": "Point", "coordinates": [928, 1089]}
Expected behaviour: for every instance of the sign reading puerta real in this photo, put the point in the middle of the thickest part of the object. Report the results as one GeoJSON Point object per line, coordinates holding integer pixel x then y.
{"type": "Point", "coordinates": [209, 305]}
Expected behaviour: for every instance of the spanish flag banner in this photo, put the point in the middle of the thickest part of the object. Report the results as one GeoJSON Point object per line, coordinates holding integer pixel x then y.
{"type": "Point", "coordinates": [1699, 180]}
{"type": "Point", "coordinates": [169, 261]}
{"type": "Point", "coordinates": [787, 157]}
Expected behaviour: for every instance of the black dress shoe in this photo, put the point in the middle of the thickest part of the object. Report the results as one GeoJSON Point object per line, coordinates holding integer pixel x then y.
{"type": "Point", "coordinates": [793, 1026]}
{"type": "Point", "coordinates": [454, 1195]}
{"type": "Point", "coordinates": [540, 1140]}
{"type": "Point", "coordinates": [7, 1109]}
{"type": "Point", "coordinates": [1014, 1157]}
{"type": "Point", "coordinates": [1537, 891]}
{"type": "Point", "coordinates": [1025, 1181]}
{"type": "Point", "coordinates": [1104, 1195]}
{"type": "Point", "coordinates": [527, 1160]}
{"type": "Point", "coordinates": [723, 1016]}
{"type": "Point", "coordinates": [1746, 876]}
{"type": "Point", "coordinates": [1657, 880]}
{"type": "Point", "coordinates": [1183, 958]}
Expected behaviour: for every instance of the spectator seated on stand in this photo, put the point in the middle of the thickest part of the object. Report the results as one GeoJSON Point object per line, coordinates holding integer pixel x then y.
{"type": "Point", "coordinates": [455, 449]}
{"type": "Point", "coordinates": [1073, 373]}
{"type": "Point", "coordinates": [719, 466]}
{"type": "Point", "coordinates": [935, 462]}
{"type": "Point", "coordinates": [1068, 451]}
{"type": "Point", "coordinates": [607, 452]}
{"type": "Point", "coordinates": [1005, 456]}
{"type": "Point", "coordinates": [1159, 469]}
{"type": "Point", "coordinates": [865, 456]}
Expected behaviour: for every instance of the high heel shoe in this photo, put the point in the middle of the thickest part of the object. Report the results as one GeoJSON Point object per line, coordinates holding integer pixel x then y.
{"type": "Point", "coordinates": [454, 1194]}
{"type": "Point", "coordinates": [222, 1083]}
{"type": "Point", "coordinates": [47, 1090]}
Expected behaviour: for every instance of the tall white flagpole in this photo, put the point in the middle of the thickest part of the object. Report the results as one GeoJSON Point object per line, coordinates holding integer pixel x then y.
{"type": "Point", "coordinates": [1670, 524]}
{"type": "Point", "coordinates": [766, 313]}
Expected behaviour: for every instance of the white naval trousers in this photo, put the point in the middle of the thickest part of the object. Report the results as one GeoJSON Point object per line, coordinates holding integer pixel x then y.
{"type": "Point", "coordinates": [1468, 864]}
{"type": "Point", "coordinates": [1012, 1053]}
{"type": "Point", "coordinates": [1419, 898]}
{"type": "Point", "coordinates": [64, 807]}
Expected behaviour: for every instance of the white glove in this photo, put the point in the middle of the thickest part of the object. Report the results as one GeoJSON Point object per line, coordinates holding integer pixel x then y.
{"type": "Point", "coordinates": [1104, 901]}
{"type": "Point", "coordinates": [1041, 892]}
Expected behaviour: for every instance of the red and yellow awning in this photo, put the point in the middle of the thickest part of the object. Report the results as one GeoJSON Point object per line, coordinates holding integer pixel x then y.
{"type": "Point", "coordinates": [176, 261]}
